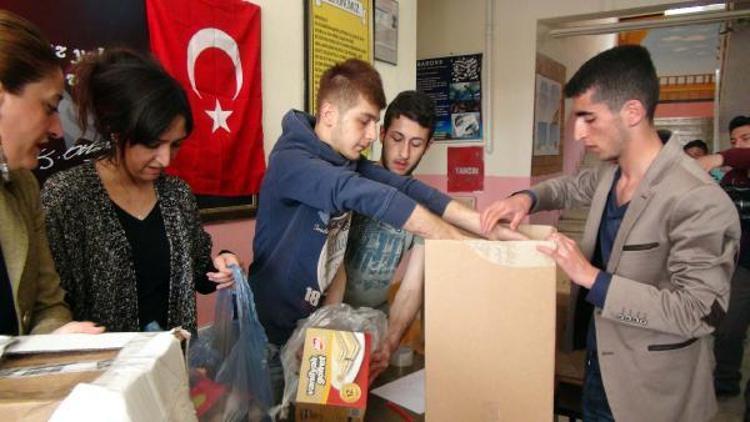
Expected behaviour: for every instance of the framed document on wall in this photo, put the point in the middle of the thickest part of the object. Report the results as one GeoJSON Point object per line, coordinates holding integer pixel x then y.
{"type": "Point", "coordinates": [335, 31]}
{"type": "Point", "coordinates": [549, 114]}
{"type": "Point", "coordinates": [386, 31]}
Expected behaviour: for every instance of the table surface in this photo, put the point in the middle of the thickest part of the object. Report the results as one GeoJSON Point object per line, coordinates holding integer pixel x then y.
{"type": "Point", "coordinates": [377, 410]}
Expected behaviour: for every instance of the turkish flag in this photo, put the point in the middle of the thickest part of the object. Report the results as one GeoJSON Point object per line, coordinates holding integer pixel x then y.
{"type": "Point", "coordinates": [213, 48]}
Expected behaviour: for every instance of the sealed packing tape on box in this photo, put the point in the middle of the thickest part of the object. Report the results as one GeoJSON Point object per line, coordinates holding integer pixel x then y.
{"type": "Point", "coordinates": [490, 330]}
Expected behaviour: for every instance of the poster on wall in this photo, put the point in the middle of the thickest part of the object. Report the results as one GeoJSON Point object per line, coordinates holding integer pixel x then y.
{"type": "Point", "coordinates": [549, 112]}
{"type": "Point", "coordinates": [386, 31]}
{"type": "Point", "coordinates": [455, 84]}
{"type": "Point", "coordinates": [547, 116]}
{"type": "Point", "coordinates": [77, 28]}
{"type": "Point", "coordinates": [335, 31]}
{"type": "Point", "coordinates": [465, 169]}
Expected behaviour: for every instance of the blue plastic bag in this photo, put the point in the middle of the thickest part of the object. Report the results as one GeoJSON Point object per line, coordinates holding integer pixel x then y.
{"type": "Point", "coordinates": [229, 368]}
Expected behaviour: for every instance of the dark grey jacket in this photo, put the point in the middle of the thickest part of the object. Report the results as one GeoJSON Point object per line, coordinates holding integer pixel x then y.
{"type": "Point", "coordinates": [94, 259]}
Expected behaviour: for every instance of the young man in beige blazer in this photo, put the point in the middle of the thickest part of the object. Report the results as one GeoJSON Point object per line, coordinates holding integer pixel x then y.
{"type": "Point", "coordinates": [657, 254]}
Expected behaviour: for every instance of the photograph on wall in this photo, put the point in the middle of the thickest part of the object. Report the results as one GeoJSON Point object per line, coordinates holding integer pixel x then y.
{"type": "Point", "coordinates": [386, 31]}
{"type": "Point", "coordinates": [454, 83]}
{"type": "Point", "coordinates": [547, 116]}
{"type": "Point", "coordinates": [335, 31]}
{"type": "Point", "coordinates": [107, 22]}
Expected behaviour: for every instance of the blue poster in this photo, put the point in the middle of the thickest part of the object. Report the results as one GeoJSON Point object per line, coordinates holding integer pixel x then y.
{"type": "Point", "coordinates": [455, 84]}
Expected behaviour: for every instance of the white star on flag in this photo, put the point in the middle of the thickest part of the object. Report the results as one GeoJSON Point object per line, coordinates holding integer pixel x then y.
{"type": "Point", "coordinates": [219, 117]}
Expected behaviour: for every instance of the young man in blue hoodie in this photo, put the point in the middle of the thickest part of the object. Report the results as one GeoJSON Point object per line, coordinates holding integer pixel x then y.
{"type": "Point", "coordinates": [315, 178]}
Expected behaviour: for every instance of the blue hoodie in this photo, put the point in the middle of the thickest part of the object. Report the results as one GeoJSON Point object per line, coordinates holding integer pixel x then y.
{"type": "Point", "coordinates": [304, 215]}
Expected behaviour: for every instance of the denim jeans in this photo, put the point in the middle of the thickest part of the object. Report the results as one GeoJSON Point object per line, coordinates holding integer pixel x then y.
{"type": "Point", "coordinates": [595, 403]}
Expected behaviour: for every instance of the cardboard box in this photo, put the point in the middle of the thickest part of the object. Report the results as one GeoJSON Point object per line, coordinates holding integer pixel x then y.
{"type": "Point", "coordinates": [333, 376]}
{"type": "Point", "coordinates": [113, 377]}
{"type": "Point", "coordinates": [490, 330]}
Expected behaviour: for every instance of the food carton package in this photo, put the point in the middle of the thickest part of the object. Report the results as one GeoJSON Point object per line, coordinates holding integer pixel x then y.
{"type": "Point", "coordinates": [333, 382]}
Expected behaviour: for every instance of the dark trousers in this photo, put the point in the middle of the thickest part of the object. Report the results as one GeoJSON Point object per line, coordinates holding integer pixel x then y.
{"type": "Point", "coordinates": [595, 403]}
{"type": "Point", "coordinates": [730, 336]}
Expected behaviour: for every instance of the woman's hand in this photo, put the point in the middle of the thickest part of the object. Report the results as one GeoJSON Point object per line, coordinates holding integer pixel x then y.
{"type": "Point", "coordinates": [223, 277]}
{"type": "Point", "coordinates": [79, 327]}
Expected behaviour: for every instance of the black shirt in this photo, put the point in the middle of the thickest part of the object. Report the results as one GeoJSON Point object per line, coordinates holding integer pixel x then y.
{"type": "Point", "coordinates": [8, 318]}
{"type": "Point", "coordinates": [608, 227]}
{"type": "Point", "coordinates": [151, 257]}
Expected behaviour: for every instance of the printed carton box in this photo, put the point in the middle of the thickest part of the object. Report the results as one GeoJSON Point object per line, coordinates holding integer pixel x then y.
{"type": "Point", "coordinates": [333, 376]}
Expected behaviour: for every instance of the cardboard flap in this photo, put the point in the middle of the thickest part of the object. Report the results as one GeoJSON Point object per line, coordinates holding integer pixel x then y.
{"type": "Point", "coordinates": [536, 231]}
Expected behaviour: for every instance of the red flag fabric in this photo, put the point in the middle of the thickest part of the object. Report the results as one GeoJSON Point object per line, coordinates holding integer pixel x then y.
{"type": "Point", "coordinates": [213, 48]}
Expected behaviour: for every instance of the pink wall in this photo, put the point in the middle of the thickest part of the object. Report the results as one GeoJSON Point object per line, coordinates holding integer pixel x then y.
{"type": "Point", "coordinates": [237, 236]}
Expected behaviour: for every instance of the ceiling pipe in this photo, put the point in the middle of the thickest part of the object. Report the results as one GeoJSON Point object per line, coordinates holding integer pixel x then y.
{"type": "Point", "coordinates": [677, 20]}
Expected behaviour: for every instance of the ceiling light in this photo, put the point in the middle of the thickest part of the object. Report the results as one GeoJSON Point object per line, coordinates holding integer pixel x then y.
{"type": "Point", "coordinates": [695, 9]}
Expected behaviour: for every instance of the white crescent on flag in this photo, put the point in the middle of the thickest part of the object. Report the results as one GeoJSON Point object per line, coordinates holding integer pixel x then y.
{"type": "Point", "coordinates": [214, 38]}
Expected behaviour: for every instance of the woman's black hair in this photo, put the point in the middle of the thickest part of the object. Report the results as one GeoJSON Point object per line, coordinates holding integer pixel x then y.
{"type": "Point", "coordinates": [129, 98]}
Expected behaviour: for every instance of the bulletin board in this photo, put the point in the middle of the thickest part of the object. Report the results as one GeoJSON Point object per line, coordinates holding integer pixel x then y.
{"type": "Point", "coordinates": [335, 31]}
{"type": "Point", "coordinates": [549, 117]}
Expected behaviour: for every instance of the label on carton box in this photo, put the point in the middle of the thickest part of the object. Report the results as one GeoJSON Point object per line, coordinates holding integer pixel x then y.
{"type": "Point", "coordinates": [335, 368]}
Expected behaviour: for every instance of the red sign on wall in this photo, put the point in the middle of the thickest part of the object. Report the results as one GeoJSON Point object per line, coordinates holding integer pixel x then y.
{"type": "Point", "coordinates": [465, 169]}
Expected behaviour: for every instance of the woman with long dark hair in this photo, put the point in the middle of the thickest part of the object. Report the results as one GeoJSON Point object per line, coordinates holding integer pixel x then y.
{"type": "Point", "coordinates": [127, 239]}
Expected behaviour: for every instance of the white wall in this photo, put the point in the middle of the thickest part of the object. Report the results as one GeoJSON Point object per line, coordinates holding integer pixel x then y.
{"type": "Point", "coordinates": [461, 28]}
{"type": "Point", "coordinates": [283, 60]}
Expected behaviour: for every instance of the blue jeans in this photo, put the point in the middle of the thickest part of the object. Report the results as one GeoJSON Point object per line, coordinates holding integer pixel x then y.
{"type": "Point", "coordinates": [595, 403]}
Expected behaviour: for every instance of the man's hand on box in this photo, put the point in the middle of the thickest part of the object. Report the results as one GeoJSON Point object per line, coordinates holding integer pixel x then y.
{"type": "Point", "coordinates": [379, 361]}
{"type": "Point", "coordinates": [569, 257]}
{"type": "Point", "coordinates": [80, 327]}
{"type": "Point", "coordinates": [513, 209]}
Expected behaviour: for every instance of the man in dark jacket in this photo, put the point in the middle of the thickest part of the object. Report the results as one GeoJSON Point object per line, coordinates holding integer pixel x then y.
{"type": "Point", "coordinates": [730, 337]}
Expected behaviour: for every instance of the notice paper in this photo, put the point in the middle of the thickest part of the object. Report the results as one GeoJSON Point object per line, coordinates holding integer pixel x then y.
{"type": "Point", "coordinates": [407, 392]}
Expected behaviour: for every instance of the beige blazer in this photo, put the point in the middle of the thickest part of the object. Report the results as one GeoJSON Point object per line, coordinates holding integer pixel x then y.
{"type": "Point", "coordinates": [672, 261]}
{"type": "Point", "coordinates": [36, 287]}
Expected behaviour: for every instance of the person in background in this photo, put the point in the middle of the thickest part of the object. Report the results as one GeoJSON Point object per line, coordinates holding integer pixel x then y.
{"type": "Point", "coordinates": [650, 280]}
{"type": "Point", "coordinates": [664, 135]}
{"type": "Point", "coordinates": [696, 148]}
{"type": "Point", "coordinates": [375, 249]}
{"type": "Point", "coordinates": [31, 87]}
{"type": "Point", "coordinates": [126, 238]}
{"type": "Point", "coordinates": [730, 336]}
